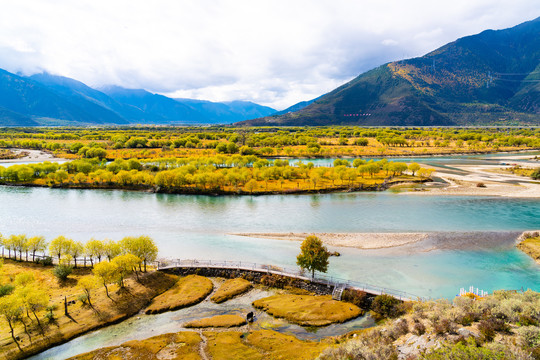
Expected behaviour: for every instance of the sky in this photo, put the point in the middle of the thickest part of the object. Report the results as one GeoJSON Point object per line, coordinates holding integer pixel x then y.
{"type": "Point", "coordinates": [275, 53]}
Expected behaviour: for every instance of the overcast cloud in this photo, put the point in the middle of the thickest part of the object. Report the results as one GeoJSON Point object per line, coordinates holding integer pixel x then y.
{"type": "Point", "coordinates": [274, 52]}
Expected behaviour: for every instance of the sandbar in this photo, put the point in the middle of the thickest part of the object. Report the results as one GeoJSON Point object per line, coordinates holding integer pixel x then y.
{"type": "Point", "coordinates": [354, 240]}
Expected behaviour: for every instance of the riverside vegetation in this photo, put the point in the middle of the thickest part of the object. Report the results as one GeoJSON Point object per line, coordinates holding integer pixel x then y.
{"type": "Point", "coordinates": [502, 325]}
{"type": "Point", "coordinates": [158, 142]}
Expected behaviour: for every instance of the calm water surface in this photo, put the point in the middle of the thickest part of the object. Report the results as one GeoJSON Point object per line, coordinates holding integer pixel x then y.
{"type": "Point", "coordinates": [188, 226]}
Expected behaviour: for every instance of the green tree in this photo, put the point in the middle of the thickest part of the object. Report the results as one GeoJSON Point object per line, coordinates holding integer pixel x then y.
{"type": "Point", "coordinates": [313, 255]}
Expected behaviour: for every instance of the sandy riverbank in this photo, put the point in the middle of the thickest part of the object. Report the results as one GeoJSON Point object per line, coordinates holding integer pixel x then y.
{"type": "Point", "coordinates": [355, 240]}
{"type": "Point", "coordinates": [464, 180]}
{"type": "Point", "coordinates": [404, 242]}
{"type": "Point", "coordinates": [33, 156]}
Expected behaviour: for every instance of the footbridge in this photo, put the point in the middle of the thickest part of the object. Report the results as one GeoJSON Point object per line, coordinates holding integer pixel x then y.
{"type": "Point", "coordinates": [334, 285]}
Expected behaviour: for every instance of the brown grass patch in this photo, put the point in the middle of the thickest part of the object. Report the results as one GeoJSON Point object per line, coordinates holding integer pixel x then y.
{"type": "Point", "coordinates": [187, 291]}
{"type": "Point", "coordinates": [230, 289]}
{"type": "Point", "coordinates": [182, 345]}
{"type": "Point", "coordinates": [308, 310]}
{"type": "Point", "coordinates": [217, 321]}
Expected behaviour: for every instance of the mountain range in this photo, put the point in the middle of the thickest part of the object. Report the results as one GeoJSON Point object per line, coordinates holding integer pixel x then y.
{"type": "Point", "coordinates": [489, 78]}
{"type": "Point", "coordinates": [45, 99]}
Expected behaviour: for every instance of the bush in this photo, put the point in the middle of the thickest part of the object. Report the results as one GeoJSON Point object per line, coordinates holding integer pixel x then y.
{"type": "Point", "coordinates": [443, 326]}
{"type": "Point", "coordinates": [386, 305]}
{"type": "Point", "coordinates": [468, 350]}
{"type": "Point", "coordinates": [46, 261]}
{"type": "Point", "coordinates": [401, 327]}
{"type": "Point", "coordinates": [529, 336]}
{"type": "Point", "coordinates": [536, 174]}
{"type": "Point", "coordinates": [357, 297]}
{"type": "Point", "coordinates": [6, 289]}
{"type": "Point", "coordinates": [62, 271]}
{"type": "Point", "coordinates": [83, 298]}
{"type": "Point", "coordinates": [419, 328]}
{"type": "Point", "coordinates": [489, 327]}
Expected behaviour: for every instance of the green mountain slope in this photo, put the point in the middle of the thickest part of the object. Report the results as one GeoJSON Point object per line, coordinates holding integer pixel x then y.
{"type": "Point", "coordinates": [492, 77]}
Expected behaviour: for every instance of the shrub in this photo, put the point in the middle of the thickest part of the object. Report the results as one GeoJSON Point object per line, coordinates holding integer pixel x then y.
{"type": "Point", "coordinates": [385, 305]}
{"type": "Point", "coordinates": [6, 289]}
{"type": "Point", "coordinates": [62, 271]}
{"type": "Point", "coordinates": [401, 327]}
{"type": "Point", "coordinates": [46, 261]}
{"type": "Point", "coordinates": [83, 298]}
{"type": "Point", "coordinates": [357, 297]}
{"type": "Point", "coordinates": [489, 327]}
{"type": "Point", "coordinates": [468, 350]}
{"type": "Point", "coordinates": [443, 326]}
{"type": "Point", "coordinates": [419, 328]}
{"type": "Point", "coordinates": [529, 335]}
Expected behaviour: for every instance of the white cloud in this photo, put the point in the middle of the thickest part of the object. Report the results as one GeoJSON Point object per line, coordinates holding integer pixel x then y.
{"type": "Point", "coordinates": [274, 52]}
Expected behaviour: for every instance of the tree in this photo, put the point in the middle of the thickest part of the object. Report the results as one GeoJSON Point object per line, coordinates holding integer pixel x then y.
{"type": "Point", "coordinates": [413, 168]}
{"type": "Point", "coordinates": [251, 185]}
{"type": "Point", "coordinates": [143, 247]}
{"type": "Point", "coordinates": [87, 283]}
{"type": "Point", "coordinates": [112, 248]}
{"type": "Point", "coordinates": [124, 265]}
{"type": "Point", "coordinates": [106, 272]}
{"type": "Point", "coordinates": [95, 249]}
{"type": "Point", "coordinates": [11, 308]}
{"type": "Point", "coordinates": [18, 243]}
{"type": "Point", "coordinates": [76, 249]}
{"type": "Point", "coordinates": [60, 246]}
{"type": "Point", "coordinates": [36, 243]}
{"type": "Point", "coordinates": [313, 255]}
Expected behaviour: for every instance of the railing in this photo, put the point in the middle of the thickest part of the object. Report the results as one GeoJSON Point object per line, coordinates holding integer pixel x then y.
{"type": "Point", "coordinates": [295, 273]}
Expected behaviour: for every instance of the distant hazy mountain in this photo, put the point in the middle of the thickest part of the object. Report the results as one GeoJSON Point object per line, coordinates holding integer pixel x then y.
{"type": "Point", "coordinates": [44, 99]}
{"type": "Point", "coordinates": [28, 99]}
{"type": "Point", "coordinates": [492, 77]}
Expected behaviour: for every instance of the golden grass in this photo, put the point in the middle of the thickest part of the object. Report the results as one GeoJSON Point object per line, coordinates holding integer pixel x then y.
{"type": "Point", "coordinates": [182, 345]}
{"type": "Point", "coordinates": [124, 304]}
{"type": "Point", "coordinates": [261, 344]}
{"type": "Point", "coordinates": [531, 247]}
{"type": "Point", "coordinates": [188, 291]}
{"type": "Point", "coordinates": [231, 345]}
{"type": "Point", "coordinates": [281, 346]}
{"type": "Point", "coordinates": [230, 289]}
{"type": "Point", "coordinates": [307, 309]}
{"type": "Point", "coordinates": [226, 321]}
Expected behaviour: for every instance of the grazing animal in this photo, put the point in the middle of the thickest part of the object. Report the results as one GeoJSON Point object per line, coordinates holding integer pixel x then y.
{"type": "Point", "coordinates": [249, 317]}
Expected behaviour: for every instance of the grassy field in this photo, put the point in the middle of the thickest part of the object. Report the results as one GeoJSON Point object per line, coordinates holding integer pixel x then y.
{"type": "Point", "coordinates": [218, 321]}
{"type": "Point", "coordinates": [229, 289]}
{"type": "Point", "coordinates": [81, 318]}
{"type": "Point", "coordinates": [308, 310]}
{"type": "Point", "coordinates": [187, 291]}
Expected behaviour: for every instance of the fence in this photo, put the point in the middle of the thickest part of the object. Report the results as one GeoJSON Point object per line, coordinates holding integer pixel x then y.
{"type": "Point", "coordinates": [328, 280]}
